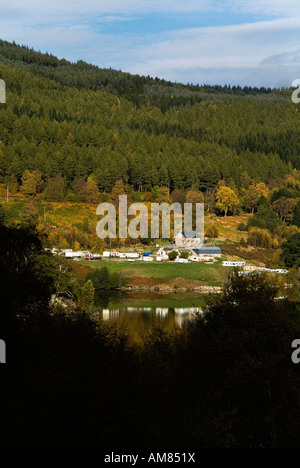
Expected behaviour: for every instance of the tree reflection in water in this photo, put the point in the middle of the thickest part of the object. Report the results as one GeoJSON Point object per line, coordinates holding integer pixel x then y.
{"type": "Point", "coordinates": [139, 320]}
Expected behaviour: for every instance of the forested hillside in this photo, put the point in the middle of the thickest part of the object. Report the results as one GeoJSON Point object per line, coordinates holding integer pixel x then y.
{"type": "Point", "coordinates": [138, 89]}
{"type": "Point", "coordinates": [52, 126]}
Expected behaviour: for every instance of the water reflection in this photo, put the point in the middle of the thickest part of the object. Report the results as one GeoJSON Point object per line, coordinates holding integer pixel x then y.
{"type": "Point", "coordinates": [139, 314]}
{"type": "Point", "coordinates": [177, 315]}
{"type": "Point", "coordinates": [145, 317]}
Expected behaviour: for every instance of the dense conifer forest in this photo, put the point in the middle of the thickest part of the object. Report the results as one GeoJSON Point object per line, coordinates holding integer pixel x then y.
{"type": "Point", "coordinates": [84, 122]}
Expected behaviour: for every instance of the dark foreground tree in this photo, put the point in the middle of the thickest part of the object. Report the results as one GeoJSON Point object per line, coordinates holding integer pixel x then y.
{"type": "Point", "coordinates": [27, 273]}
{"type": "Point", "coordinates": [241, 356]}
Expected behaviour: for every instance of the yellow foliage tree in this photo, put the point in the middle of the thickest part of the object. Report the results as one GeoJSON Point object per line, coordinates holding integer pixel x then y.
{"type": "Point", "coordinates": [253, 194]}
{"type": "Point", "coordinates": [29, 183]}
{"type": "Point", "coordinates": [227, 200]}
{"type": "Point", "coordinates": [76, 246]}
{"type": "Point", "coordinates": [193, 196]}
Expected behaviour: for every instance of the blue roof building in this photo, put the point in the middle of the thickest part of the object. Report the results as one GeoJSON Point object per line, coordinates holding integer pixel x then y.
{"type": "Point", "coordinates": [208, 251]}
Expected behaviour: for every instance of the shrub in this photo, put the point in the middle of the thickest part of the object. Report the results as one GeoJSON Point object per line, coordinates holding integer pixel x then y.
{"type": "Point", "coordinates": [259, 237]}
{"type": "Point", "coordinates": [211, 232]}
{"type": "Point", "coordinates": [172, 255]}
{"type": "Point", "coordinates": [242, 227]}
{"type": "Point", "coordinates": [184, 255]}
{"type": "Point", "coordinates": [102, 279]}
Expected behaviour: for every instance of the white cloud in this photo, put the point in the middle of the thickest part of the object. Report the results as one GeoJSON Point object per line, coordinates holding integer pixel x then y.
{"type": "Point", "coordinates": [261, 53]}
{"type": "Point", "coordinates": [279, 8]}
{"type": "Point", "coordinates": [250, 53]}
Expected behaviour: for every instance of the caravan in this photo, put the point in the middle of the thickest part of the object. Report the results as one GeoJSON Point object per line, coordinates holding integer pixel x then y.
{"type": "Point", "coordinates": [233, 264]}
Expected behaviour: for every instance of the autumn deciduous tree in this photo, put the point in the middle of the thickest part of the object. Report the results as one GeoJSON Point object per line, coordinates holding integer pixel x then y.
{"type": "Point", "coordinates": [118, 190]}
{"type": "Point", "coordinates": [275, 243]}
{"type": "Point", "coordinates": [227, 200]}
{"type": "Point", "coordinates": [193, 196]}
{"type": "Point", "coordinates": [178, 196]}
{"type": "Point", "coordinates": [284, 207]}
{"type": "Point", "coordinates": [149, 197]}
{"type": "Point", "coordinates": [91, 192]}
{"type": "Point", "coordinates": [55, 189]}
{"type": "Point", "coordinates": [253, 195]}
{"type": "Point", "coordinates": [29, 183]}
{"type": "Point", "coordinates": [259, 237]}
{"type": "Point", "coordinates": [211, 231]}
{"type": "Point", "coordinates": [163, 195]}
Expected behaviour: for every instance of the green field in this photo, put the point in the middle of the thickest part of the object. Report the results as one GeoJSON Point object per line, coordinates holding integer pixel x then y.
{"type": "Point", "coordinates": [205, 274]}
{"type": "Point", "coordinates": [169, 301]}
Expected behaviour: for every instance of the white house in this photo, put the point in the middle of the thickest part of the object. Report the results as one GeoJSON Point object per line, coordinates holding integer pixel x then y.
{"type": "Point", "coordinates": [188, 239]}
{"type": "Point", "coordinates": [161, 255]}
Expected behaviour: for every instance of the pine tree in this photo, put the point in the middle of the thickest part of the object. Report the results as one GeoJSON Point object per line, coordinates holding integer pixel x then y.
{"type": "Point", "coordinates": [291, 251]}
{"type": "Point", "coordinates": [163, 176]}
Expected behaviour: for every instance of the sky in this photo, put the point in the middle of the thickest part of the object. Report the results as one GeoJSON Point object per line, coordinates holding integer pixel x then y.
{"type": "Point", "coordinates": [236, 42]}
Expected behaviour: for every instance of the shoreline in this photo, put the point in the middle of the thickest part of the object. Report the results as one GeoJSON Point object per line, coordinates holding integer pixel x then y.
{"type": "Point", "coordinates": [165, 289]}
